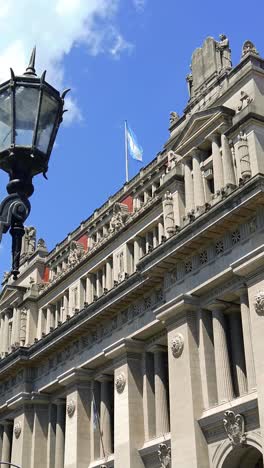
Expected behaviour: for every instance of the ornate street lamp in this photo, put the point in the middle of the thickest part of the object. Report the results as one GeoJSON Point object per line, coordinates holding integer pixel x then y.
{"type": "Point", "coordinates": [31, 111]}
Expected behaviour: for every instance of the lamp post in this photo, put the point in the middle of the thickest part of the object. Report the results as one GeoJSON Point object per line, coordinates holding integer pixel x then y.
{"type": "Point", "coordinates": [31, 111]}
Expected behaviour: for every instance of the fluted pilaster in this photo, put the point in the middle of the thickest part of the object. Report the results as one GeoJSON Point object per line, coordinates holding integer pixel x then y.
{"type": "Point", "coordinates": [105, 415]}
{"type": "Point", "coordinates": [7, 441]}
{"type": "Point", "coordinates": [188, 185]}
{"type": "Point", "coordinates": [217, 163]}
{"type": "Point", "coordinates": [161, 402]}
{"type": "Point", "coordinates": [198, 187]}
{"type": "Point", "coordinates": [228, 166]}
{"type": "Point", "coordinates": [60, 434]}
{"type": "Point", "coordinates": [247, 338]}
{"type": "Point", "coordinates": [222, 362]}
{"type": "Point", "coordinates": [238, 358]}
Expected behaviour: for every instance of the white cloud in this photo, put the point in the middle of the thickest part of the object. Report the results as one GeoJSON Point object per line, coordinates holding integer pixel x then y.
{"type": "Point", "coordinates": [139, 5]}
{"type": "Point", "coordinates": [55, 27]}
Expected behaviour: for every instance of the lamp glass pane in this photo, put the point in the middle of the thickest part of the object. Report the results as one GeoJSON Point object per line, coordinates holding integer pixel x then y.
{"type": "Point", "coordinates": [26, 108]}
{"type": "Point", "coordinates": [5, 119]}
{"type": "Point", "coordinates": [47, 119]}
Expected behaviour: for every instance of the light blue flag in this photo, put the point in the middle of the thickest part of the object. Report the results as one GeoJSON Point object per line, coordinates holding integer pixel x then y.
{"type": "Point", "coordinates": [134, 149]}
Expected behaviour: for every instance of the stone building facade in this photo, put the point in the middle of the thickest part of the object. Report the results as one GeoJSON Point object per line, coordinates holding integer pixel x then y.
{"type": "Point", "coordinates": [138, 340]}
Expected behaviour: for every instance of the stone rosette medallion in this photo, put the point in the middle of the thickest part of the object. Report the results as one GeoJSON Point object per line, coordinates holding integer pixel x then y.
{"type": "Point", "coordinates": [120, 382]}
{"type": "Point", "coordinates": [70, 408]}
{"type": "Point", "coordinates": [177, 345]}
{"type": "Point", "coordinates": [259, 302]}
{"type": "Point", "coordinates": [17, 429]}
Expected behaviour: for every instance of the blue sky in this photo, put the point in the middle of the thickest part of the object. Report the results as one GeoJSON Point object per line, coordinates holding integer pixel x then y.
{"type": "Point", "coordinates": [123, 59]}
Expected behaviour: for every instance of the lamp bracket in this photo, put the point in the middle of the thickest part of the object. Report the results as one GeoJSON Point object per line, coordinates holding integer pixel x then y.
{"type": "Point", "coordinates": [14, 210]}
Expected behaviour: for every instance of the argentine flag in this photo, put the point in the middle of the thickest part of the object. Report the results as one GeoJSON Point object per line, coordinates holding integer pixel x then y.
{"type": "Point", "coordinates": [134, 149]}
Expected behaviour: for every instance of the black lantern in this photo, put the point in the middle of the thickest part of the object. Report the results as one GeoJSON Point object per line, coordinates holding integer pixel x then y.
{"type": "Point", "coordinates": [31, 111]}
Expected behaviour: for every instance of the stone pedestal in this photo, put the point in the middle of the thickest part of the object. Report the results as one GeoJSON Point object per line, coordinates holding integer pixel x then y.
{"type": "Point", "coordinates": [222, 361]}
{"type": "Point", "coordinates": [60, 434]}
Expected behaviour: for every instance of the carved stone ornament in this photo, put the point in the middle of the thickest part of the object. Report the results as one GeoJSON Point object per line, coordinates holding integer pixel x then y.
{"type": "Point", "coordinates": [174, 117]}
{"type": "Point", "coordinates": [177, 345]}
{"type": "Point", "coordinates": [120, 382]}
{"type": "Point", "coordinates": [259, 302]}
{"type": "Point", "coordinates": [70, 408]}
{"type": "Point", "coordinates": [234, 425]}
{"type": "Point", "coordinates": [249, 48]}
{"type": "Point", "coordinates": [164, 454]}
{"type": "Point", "coordinates": [17, 429]}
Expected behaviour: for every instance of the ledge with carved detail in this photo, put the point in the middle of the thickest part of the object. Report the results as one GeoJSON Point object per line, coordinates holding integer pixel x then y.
{"type": "Point", "coordinates": [157, 451]}
{"type": "Point", "coordinates": [43, 287]}
{"type": "Point", "coordinates": [252, 192]}
{"type": "Point", "coordinates": [211, 421]}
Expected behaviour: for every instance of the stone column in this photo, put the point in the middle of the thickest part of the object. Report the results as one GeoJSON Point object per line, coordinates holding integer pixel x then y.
{"type": "Point", "coordinates": [7, 441]}
{"type": "Point", "coordinates": [188, 444]}
{"type": "Point", "coordinates": [161, 402]}
{"type": "Point", "coordinates": [60, 434]}
{"type": "Point", "coordinates": [65, 310]}
{"type": "Point", "coordinates": [49, 319]}
{"type": "Point", "coordinates": [14, 327]}
{"type": "Point", "coordinates": [198, 187]}
{"type": "Point", "coordinates": [228, 166]}
{"type": "Point", "coordinates": [78, 423]}
{"type": "Point", "coordinates": [161, 230]}
{"type": "Point", "coordinates": [109, 274]}
{"type": "Point", "coordinates": [137, 251]}
{"type": "Point", "coordinates": [188, 186]}
{"type": "Point", "coordinates": [95, 420]}
{"type": "Point", "coordinates": [22, 442]}
{"type": "Point", "coordinates": [128, 403]}
{"type": "Point", "coordinates": [52, 417]}
{"type": "Point", "coordinates": [168, 214]}
{"type": "Point", "coordinates": [155, 237]}
{"type": "Point", "coordinates": [217, 163]}
{"type": "Point", "coordinates": [6, 333]}
{"type": "Point", "coordinates": [41, 323]}
{"type": "Point", "coordinates": [89, 288]}
{"type": "Point", "coordinates": [98, 283]}
{"type": "Point", "coordinates": [105, 415]}
{"type": "Point", "coordinates": [247, 338]}
{"type": "Point", "coordinates": [2, 333]}
{"type": "Point", "coordinates": [40, 435]}
{"type": "Point", "coordinates": [18, 326]}
{"type": "Point", "coordinates": [149, 396]}
{"type": "Point", "coordinates": [103, 279]}
{"type": "Point", "coordinates": [222, 361]}
{"type": "Point", "coordinates": [238, 357]}
{"type": "Point", "coordinates": [1, 439]}
{"type": "Point", "coordinates": [207, 359]}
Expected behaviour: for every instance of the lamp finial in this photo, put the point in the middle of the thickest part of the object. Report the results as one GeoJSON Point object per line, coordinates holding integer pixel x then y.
{"type": "Point", "coordinates": [31, 66]}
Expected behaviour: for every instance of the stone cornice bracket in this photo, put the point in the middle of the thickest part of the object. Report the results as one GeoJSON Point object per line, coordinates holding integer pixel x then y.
{"type": "Point", "coordinates": [123, 348]}
{"type": "Point", "coordinates": [175, 309]}
{"type": "Point", "coordinates": [75, 376]}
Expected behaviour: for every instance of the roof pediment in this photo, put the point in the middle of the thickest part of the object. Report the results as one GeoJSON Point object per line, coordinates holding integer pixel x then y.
{"type": "Point", "coordinates": [202, 124]}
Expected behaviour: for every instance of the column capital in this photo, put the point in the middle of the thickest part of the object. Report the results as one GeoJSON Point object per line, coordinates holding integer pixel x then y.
{"type": "Point", "coordinates": [157, 348]}
{"type": "Point", "coordinates": [195, 152]}
{"type": "Point", "coordinates": [75, 376]}
{"type": "Point", "coordinates": [171, 311]}
{"type": "Point", "coordinates": [104, 378]}
{"type": "Point", "coordinates": [59, 402]}
{"type": "Point", "coordinates": [217, 306]}
{"type": "Point", "coordinates": [214, 137]}
{"type": "Point", "coordinates": [124, 347]}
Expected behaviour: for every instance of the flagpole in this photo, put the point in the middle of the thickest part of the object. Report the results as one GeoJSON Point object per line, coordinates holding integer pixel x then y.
{"type": "Point", "coordinates": [126, 152]}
